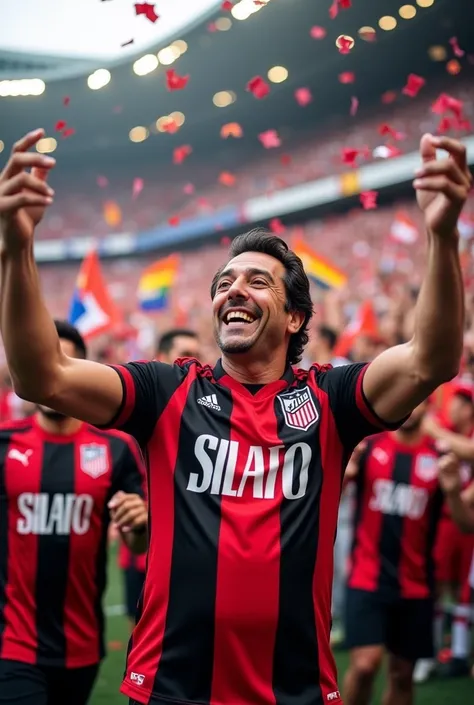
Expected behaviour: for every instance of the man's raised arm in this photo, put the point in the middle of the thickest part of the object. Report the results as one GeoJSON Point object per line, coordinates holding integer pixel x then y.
{"type": "Point", "coordinates": [403, 376]}
{"type": "Point", "coordinates": [40, 372]}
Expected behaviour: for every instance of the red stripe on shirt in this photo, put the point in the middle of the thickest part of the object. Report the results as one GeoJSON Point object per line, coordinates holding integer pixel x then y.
{"type": "Point", "coordinates": [364, 406]}
{"type": "Point", "coordinates": [243, 657]}
{"type": "Point", "coordinates": [332, 466]}
{"type": "Point", "coordinates": [147, 640]}
{"type": "Point", "coordinates": [128, 401]}
{"type": "Point", "coordinates": [20, 639]}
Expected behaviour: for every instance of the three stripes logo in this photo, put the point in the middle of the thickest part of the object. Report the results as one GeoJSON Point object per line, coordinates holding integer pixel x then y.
{"type": "Point", "coordinates": [210, 401]}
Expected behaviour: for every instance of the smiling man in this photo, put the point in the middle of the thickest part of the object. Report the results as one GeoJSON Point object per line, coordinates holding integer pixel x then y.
{"type": "Point", "coordinates": [246, 458]}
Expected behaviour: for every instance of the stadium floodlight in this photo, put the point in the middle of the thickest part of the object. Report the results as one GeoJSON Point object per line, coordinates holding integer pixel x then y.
{"type": "Point", "coordinates": [223, 24]}
{"type": "Point", "coordinates": [178, 117]}
{"type": "Point", "coordinates": [146, 64]}
{"type": "Point", "coordinates": [138, 133]}
{"type": "Point", "coordinates": [424, 3]}
{"type": "Point", "coordinates": [243, 9]}
{"type": "Point", "coordinates": [407, 12]}
{"type": "Point", "coordinates": [181, 46]}
{"type": "Point", "coordinates": [224, 98]}
{"type": "Point", "coordinates": [98, 79]}
{"type": "Point", "coordinates": [46, 145]}
{"type": "Point", "coordinates": [169, 54]}
{"type": "Point", "coordinates": [22, 87]}
{"type": "Point", "coordinates": [277, 74]}
{"type": "Point", "coordinates": [387, 22]}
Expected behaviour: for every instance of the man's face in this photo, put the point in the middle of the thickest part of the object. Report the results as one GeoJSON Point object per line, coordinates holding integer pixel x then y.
{"type": "Point", "coordinates": [249, 305]}
{"type": "Point", "coordinates": [460, 411]}
{"type": "Point", "coordinates": [68, 349]}
{"type": "Point", "coordinates": [183, 346]}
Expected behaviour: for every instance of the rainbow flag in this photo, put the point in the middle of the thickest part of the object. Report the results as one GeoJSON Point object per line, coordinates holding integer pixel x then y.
{"type": "Point", "coordinates": [155, 283]}
{"type": "Point", "coordinates": [320, 270]}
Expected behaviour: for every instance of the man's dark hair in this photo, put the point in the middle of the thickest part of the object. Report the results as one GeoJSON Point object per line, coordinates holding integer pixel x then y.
{"type": "Point", "coordinates": [165, 342]}
{"type": "Point", "coordinates": [298, 297]}
{"type": "Point", "coordinates": [66, 331]}
{"type": "Point", "coordinates": [329, 335]}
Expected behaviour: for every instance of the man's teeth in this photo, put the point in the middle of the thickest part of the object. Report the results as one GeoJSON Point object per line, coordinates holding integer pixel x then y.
{"type": "Point", "coordinates": [239, 316]}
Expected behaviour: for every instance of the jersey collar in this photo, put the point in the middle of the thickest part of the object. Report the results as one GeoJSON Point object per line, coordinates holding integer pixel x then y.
{"type": "Point", "coordinates": [268, 390]}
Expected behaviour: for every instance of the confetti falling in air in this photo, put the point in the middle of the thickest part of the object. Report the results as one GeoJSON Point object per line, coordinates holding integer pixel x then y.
{"type": "Point", "coordinates": [170, 126]}
{"type": "Point", "coordinates": [303, 96]}
{"type": "Point", "coordinates": [413, 85]}
{"type": "Point", "coordinates": [346, 77]}
{"type": "Point", "coordinates": [270, 139]}
{"type": "Point", "coordinates": [258, 87]}
{"type": "Point", "coordinates": [212, 27]}
{"type": "Point", "coordinates": [338, 5]}
{"type": "Point", "coordinates": [66, 101]}
{"type": "Point", "coordinates": [68, 132]}
{"type": "Point", "coordinates": [137, 187]}
{"type": "Point", "coordinates": [344, 44]}
{"type": "Point", "coordinates": [456, 48]}
{"type": "Point", "coordinates": [285, 159]}
{"type": "Point", "coordinates": [368, 200]}
{"type": "Point", "coordinates": [147, 9]}
{"type": "Point", "coordinates": [445, 103]}
{"type": "Point", "coordinates": [189, 189]}
{"type": "Point", "coordinates": [317, 32]}
{"type": "Point", "coordinates": [102, 181]}
{"type": "Point", "coordinates": [354, 106]}
{"type": "Point", "coordinates": [388, 97]}
{"type": "Point", "coordinates": [225, 241]}
{"type": "Point", "coordinates": [231, 129]}
{"type": "Point", "coordinates": [227, 179]}
{"type": "Point", "coordinates": [174, 220]}
{"type": "Point", "coordinates": [181, 153]}
{"type": "Point", "coordinates": [60, 125]}
{"type": "Point", "coordinates": [174, 82]}
{"type": "Point", "coordinates": [349, 155]}
{"type": "Point", "coordinates": [276, 226]}
{"type": "Point", "coordinates": [227, 6]}
{"type": "Point", "coordinates": [386, 129]}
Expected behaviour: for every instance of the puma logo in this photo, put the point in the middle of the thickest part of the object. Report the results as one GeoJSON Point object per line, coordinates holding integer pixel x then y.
{"type": "Point", "coordinates": [23, 458]}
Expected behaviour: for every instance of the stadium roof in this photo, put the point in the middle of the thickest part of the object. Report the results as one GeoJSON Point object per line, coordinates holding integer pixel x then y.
{"type": "Point", "coordinates": [224, 61]}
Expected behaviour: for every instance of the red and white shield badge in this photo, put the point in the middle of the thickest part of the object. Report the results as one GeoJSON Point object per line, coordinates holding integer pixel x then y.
{"type": "Point", "coordinates": [94, 459]}
{"type": "Point", "coordinates": [299, 408]}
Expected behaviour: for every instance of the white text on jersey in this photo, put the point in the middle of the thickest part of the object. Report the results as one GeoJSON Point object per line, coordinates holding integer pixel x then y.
{"type": "Point", "coordinates": [60, 514]}
{"type": "Point", "coordinates": [398, 499]}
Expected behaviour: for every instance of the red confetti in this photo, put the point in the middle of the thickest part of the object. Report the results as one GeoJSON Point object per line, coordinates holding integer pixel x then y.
{"type": "Point", "coordinates": [225, 241]}
{"type": "Point", "coordinates": [204, 203]}
{"type": "Point", "coordinates": [180, 153]}
{"type": "Point", "coordinates": [66, 100]}
{"type": "Point", "coordinates": [276, 226]}
{"type": "Point", "coordinates": [303, 96]}
{"type": "Point", "coordinates": [212, 27]}
{"type": "Point", "coordinates": [354, 106]}
{"type": "Point", "coordinates": [386, 129]}
{"type": "Point", "coordinates": [127, 44]}
{"type": "Point", "coordinates": [453, 67]}
{"type": "Point", "coordinates": [227, 6]}
{"type": "Point", "coordinates": [317, 32]}
{"type": "Point", "coordinates": [349, 155]}
{"type": "Point", "coordinates": [189, 189]}
{"type": "Point", "coordinates": [285, 159]}
{"type": "Point", "coordinates": [231, 129]}
{"type": "Point", "coordinates": [270, 139]}
{"type": "Point", "coordinates": [102, 181]}
{"type": "Point", "coordinates": [258, 87]}
{"type": "Point", "coordinates": [175, 82]}
{"type": "Point", "coordinates": [60, 125]}
{"type": "Point", "coordinates": [145, 8]}
{"type": "Point", "coordinates": [369, 200]}
{"type": "Point", "coordinates": [445, 103]}
{"type": "Point", "coordinates": [137, 187]}
{"type": "Point", "coordinates": [445, 124]}
{"type": "Point", "coordinates": [413, 85]}
{"type": "Point", "coordinates": [456, 48]}
{"type": "Point", "coordinates": [338, 5]}
{"type": "Point", "coordinates": [69, 132]}
{"type": "Point", "coordinates": [170, 126]}
{"type": "Point", "coordinates": [347, 77]}
{"type": "Point", "coordinates": [227, 179]}
{"type": "Point", "coordinates": [344, 44]}
{"type": "Point", "coordinates": [392, 151]}
{"type": "Point", "coordinates": [174, 220]}
{"type": "Point", "coordinates": [388, 97]}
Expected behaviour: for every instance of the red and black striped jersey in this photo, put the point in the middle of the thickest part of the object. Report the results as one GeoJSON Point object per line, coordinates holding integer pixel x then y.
{"type": "Point", "coordinates": [398, 507]}
{"type": "Point", "coordinates": [243, 492]}
{"type": "Point", "coordinates": [54, 491]}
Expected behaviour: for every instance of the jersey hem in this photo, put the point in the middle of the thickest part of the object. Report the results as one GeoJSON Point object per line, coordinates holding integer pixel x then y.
{"type": "Point", "coordinates": [145, 697]}
{"type": "Point", "coordinates": [53, 662]}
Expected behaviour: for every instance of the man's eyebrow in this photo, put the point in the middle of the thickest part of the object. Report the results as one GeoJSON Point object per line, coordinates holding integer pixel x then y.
{"type": "Point", "coordinates": [250, 272]}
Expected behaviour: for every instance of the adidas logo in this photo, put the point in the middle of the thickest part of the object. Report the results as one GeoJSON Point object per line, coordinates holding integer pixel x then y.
{"type": "Point", "coordinates": [210, 401]}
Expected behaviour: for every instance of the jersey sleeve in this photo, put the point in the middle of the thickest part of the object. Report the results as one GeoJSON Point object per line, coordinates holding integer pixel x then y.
{"type": "Point", "coordinates": [355, 419]}
{"type": "Point", "coordinates": [147, 388]}
{"type": "Point", "coordinates": [130, 474]}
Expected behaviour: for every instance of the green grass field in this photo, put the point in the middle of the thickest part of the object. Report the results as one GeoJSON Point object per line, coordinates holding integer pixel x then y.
{"type": "Point", "coordinates": [106, 693]}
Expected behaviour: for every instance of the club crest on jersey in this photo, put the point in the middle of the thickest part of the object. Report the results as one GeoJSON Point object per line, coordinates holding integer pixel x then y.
{"type": "Point", "coordinates": [426, 467]}
{"type": "Point", "coordinates": [94, 459]}
{"type": "Point", "coordinates": [299, 408]}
